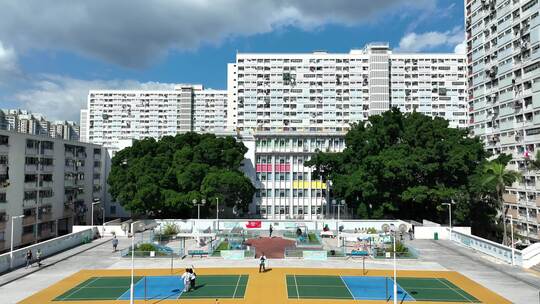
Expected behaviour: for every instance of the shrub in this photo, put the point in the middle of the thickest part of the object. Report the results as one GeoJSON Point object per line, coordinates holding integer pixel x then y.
{"type": "Point", "coordinates": [170, 229]}
{"type": "Point", "coordinates": [146, 247]}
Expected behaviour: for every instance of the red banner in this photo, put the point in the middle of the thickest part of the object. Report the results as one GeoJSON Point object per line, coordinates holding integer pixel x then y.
{"type": "Point", "coordinates": [253, 224]}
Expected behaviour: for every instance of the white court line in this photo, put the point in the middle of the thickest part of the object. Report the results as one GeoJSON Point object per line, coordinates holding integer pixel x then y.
{"type": "Point", "coordinates": [450, 287]}
{"type": "Point", "coordinates": [296, 284]}
{"type": "Point", "coordinates": [236, 288]}
{"type": "Point", "coordinates": [79, 288]}
{"type": "Point", "coordinates": [352, 295]}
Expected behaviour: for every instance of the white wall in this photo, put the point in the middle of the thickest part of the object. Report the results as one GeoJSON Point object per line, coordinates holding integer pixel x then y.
{"type": "Point", "coordinates": [428, 233]}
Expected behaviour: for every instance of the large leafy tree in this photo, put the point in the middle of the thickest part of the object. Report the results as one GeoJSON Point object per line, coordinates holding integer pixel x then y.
{"type": "Point", "coordinates": [406, 166]}
{"type": "Point", "coordinates": [162, 178]}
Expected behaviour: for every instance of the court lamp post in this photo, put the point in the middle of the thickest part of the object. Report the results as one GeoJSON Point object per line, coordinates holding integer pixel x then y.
{"type": "Point", "coordinates": [393, 231]}
{"type": "Point", "coordinates": [450, 215]}
{"type": "Point", "coordinates": [97, 201]}
{"type": "Point", "coordinates": [217, 214]}
{"type": "Point", "coordinates": [11, 248]}
{"type": "Point", "coordinates": [132, 263]}
{"type": "Point", "coordinates": [512, 237]}
{"type": "Point", "coordinates": [203, 202]}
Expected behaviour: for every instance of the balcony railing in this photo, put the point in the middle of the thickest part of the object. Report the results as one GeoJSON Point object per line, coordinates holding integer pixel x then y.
{"type": "Point", "coordinates": [28, 238]}
{"type": "Point", "coordinates": [28, 220]}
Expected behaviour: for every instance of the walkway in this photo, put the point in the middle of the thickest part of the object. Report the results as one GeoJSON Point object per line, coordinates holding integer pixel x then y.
{"type": "Point", "coordinates": [514, 283]}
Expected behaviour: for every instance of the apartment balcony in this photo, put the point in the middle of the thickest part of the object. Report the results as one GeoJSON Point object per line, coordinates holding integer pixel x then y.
{"type": "Point", "coordinates": [28, 238]}
{"type": "Point", "coordinates": [45, 217]}
{"type": "Point", "coordinates": [29, 220]}
{"type": "Point", "coordinates": [511, 198]}
{"type": "Point", "coordinates": [44, 234]}
{"type": "Point", "coordinates": [68, 212]}
{"type": "Point", "coordinates": [30, 168]}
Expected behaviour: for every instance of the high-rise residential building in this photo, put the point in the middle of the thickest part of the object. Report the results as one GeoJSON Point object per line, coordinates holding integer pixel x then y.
{"type": "Point", "coordinates": [503, 58]}
{"type": "Point", "coordinates": [23, 121]}
{"type": "Point", "coordinates": [327, 92]}
{"type": "Point", "coordinates": [52, 182]}
{"type": "Point", "coordinates": [209, 110]}
{"type": "Point", "coordinates": [114, 118]}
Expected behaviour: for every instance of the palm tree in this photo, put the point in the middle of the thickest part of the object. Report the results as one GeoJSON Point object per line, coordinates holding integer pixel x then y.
{"type": "Point", "coordinates": [496, 175]}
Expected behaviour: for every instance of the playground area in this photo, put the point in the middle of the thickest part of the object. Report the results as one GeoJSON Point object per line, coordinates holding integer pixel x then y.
{"type": "Point", "coordinates": [277, 285]}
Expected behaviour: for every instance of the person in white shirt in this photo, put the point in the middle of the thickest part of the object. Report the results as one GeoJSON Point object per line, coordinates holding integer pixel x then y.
{"type": "Point", "coordinates": [186, 277]}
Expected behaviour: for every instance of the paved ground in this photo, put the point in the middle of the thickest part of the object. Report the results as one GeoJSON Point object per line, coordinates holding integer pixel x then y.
{"type": "Point", "coordinates": [515, 284]}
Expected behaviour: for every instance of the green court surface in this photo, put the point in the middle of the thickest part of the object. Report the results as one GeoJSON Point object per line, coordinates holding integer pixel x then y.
{"type": "Point", "coordinates": [157, 287]}
{"type": "Point", "coordinates": [375, 288]}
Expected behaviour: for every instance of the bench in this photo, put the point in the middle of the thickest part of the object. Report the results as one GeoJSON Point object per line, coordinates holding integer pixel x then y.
{"type": "Point", "coordinates": [359, 253]}
{"type": "Point", "coordinates": [200, 253]}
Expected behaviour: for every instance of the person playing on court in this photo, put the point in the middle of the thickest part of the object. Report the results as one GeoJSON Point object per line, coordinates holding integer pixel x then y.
{"type": "Point", "coordinates": [186, 277]}
{"type": "Point", "coordinates": [192, 279]}
{"type": "Point", "coordinates": [262, 263]}
{"type": "Point", "coordinates": [271, 230]}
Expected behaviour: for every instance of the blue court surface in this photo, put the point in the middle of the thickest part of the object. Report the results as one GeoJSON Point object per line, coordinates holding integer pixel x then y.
{"type": "Point", "coordinates": [374, 288]}
{"type": "Point", "coordinates": [156, 287]}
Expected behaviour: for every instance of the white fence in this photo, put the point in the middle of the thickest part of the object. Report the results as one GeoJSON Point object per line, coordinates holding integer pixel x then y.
{"type": "Point", "coordinates": [496, 250]}
{"type": "Point", "coordinates": [208, 225]}
{"type": "Point", "coordinates": [443, 233]}
{"type": "Point", "coordinates": [47, 248]}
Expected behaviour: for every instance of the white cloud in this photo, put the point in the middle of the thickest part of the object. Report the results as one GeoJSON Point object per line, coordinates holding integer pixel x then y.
{"type": "Point", "coordinates": [136, 32]}
{"type": "Point", "coordinates": [413, 42]}
{"type": "Point", "coordinates": [61, 98]}
{"type": "Point", "coordinates": [8, 62]}
{"type": "Point", "coordinates": [461, 48]}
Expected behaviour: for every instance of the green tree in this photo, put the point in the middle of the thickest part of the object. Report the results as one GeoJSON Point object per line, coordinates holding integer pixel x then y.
{"type": "Point", "coordinates": [404, 166]}
{"type": "Point", "coordinates": [496, 176]}
{"type": "Point", "coordinates": [162, 178]}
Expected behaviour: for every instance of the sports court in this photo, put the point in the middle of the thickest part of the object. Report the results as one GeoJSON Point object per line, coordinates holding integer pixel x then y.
{"type": "Point", "coordinates": [157, 287]}
{"type": "Point", "coordinates": [375, 288]}
{"type": "Point", "coordinates": [277, 285]}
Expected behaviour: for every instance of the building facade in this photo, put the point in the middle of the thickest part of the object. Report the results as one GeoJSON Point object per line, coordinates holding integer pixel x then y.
{"type": "Point", "coordinates": [114, 118]}
{"type": "Point", "coordinates": [23, 121]}
{"type": "Point", "coordinates": [285, 187]}
{"type": "Point", "coordinates": [503, 59]}
{"type": "Point", "coordinates": [52, 182]}
{"type": "Point", "coordinates": [209, 110]}
{"type": "Point", "coordinates": [325, 92]}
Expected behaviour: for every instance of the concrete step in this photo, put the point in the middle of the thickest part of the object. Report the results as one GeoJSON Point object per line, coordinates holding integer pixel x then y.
{"type": "Point", "coordinates": [536, 267]}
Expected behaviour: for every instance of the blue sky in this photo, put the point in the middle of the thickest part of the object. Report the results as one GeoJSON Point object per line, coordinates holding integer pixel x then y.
{"type": "Point", "coordinates": [47, 65]}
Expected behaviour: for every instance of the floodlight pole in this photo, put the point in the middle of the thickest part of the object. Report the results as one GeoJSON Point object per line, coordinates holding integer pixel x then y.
{"type": "Point", "coordinates": [393, 231]}
{"type": "Point", "coordinates": [217, 214]}
{"type": "Point", "coordinates": [512, 237]}
{"type": "Point", "coordinates": [132, 263]}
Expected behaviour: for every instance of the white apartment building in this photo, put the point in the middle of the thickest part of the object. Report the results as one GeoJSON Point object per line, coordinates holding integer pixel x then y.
{"type": "Point", "coordinates": [114, 118]}
{"type": "Point", "coordinates": [285, 188]}
{"type": "Point", "coordinates": [325, 92]}
{"type": "Point", "coordinates": [52, 182]}
{"type": "Point", "coordinates": [503, 58]}
{"type": "Point", "coordinates": [209, 110]}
